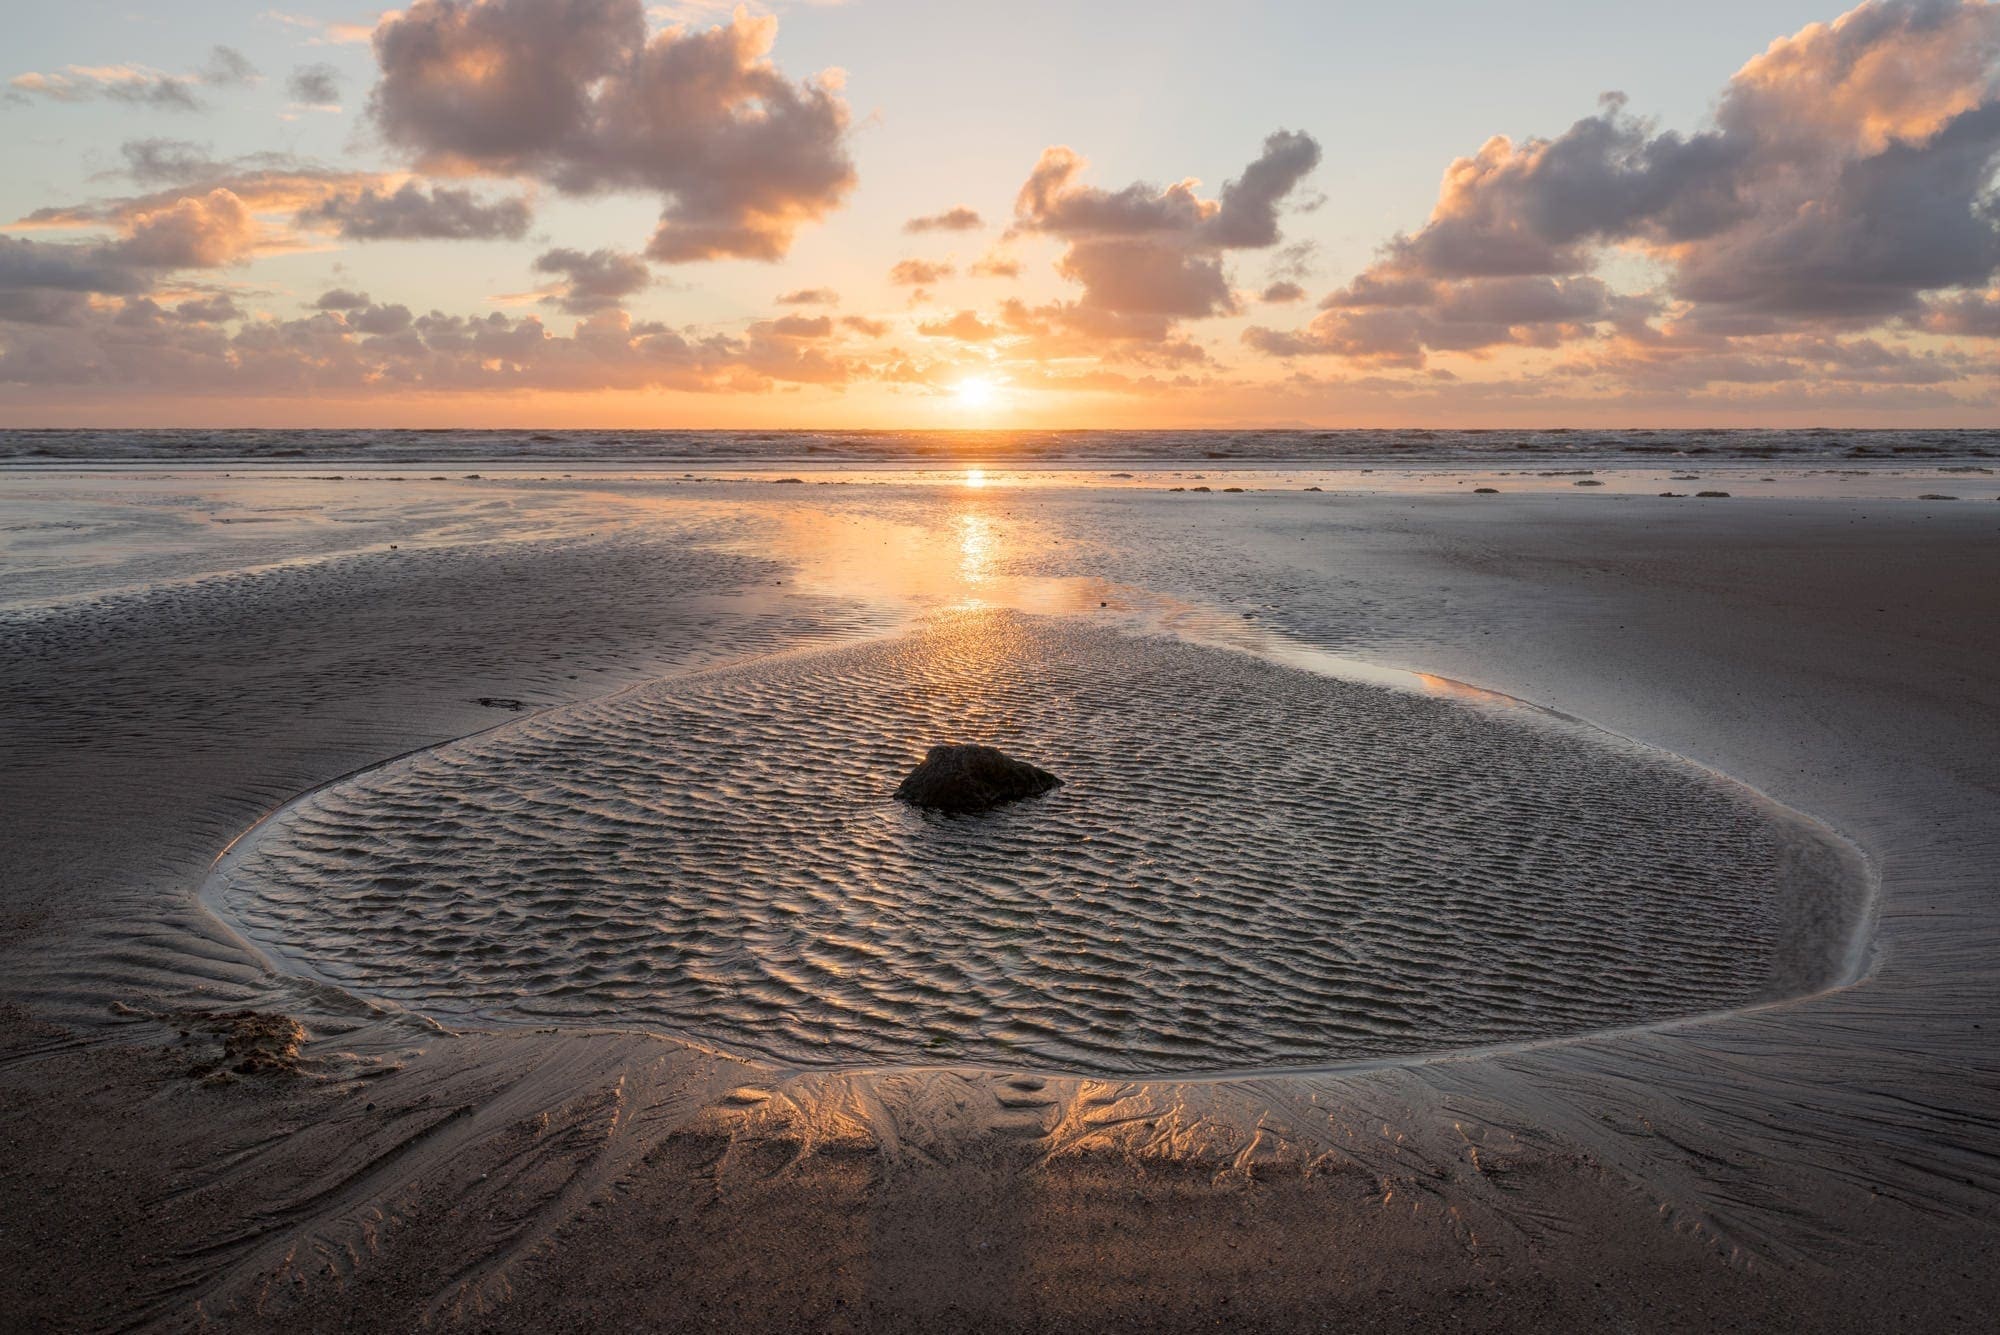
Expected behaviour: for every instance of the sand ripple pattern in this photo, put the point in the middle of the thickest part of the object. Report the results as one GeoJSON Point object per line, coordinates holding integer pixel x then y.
{"type": "Point", "coordinates": [1249, 865]}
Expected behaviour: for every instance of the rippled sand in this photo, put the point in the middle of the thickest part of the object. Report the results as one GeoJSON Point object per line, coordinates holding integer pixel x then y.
{"type": "Point", "coordinates": [1249, 866]}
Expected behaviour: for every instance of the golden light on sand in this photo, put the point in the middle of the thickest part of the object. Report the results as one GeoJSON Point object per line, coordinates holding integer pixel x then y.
{"type": "Point", "coordinates": [975, 477]}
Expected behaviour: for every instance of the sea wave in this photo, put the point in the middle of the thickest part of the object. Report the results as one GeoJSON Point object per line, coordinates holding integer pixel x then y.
{"type": "Point", "coordinates": [1331, 448]}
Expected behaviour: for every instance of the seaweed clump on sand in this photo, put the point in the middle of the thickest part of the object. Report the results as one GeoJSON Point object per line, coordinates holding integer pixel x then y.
{"type": "Point", "coordinates": [253, 1042]}
{"type": "Point", "coordinates": [962, 778]}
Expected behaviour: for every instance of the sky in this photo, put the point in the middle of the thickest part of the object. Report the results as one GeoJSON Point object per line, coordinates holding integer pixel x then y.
{"type": "Point", "coordinates": [604, 213]}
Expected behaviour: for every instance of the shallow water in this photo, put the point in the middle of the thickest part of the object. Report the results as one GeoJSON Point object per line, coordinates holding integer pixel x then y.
{"type": "Point", "coordinates": [1250, 865]}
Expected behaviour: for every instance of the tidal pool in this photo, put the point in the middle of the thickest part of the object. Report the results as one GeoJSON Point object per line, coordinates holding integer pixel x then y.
{"type": "Point", "coordinates": [1249, 866]}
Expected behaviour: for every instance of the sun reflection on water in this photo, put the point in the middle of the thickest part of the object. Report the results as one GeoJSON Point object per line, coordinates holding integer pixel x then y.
{"type": "Point", "coordinates": [978, 545]}
{"type": "Point", "coordinates": [971, 556]}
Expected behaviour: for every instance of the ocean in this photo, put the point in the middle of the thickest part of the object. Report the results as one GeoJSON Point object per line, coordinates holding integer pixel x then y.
{"type": "Point", "coordinates": [1827, 446]}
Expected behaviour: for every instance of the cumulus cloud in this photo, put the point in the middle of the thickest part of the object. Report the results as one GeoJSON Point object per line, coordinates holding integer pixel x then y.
{"type": "Point", "coordinates": [203, 231]}
{"type": "Point", "coordinates": [138, 85]}
{"type": "Point", "coordinates": [193, 230]}
{"type": "Point", "coordinates": [1848, 173]}
{"type": "Point", "coordinates": [810, 296]}
{"type": "Point", "coordinates": [341, 299]}
{"type": "Point", "coordinates": [291, 198]}
{"type": "Point", "coordinates": [361, 313]}
{"type": "Point", "coordinates": [796, 326]}
{"type": "Point", "coordinates": [1527, 310]}
{"type": "Point", "coordinates": [996, 266]}
{"type": "Point", "coordinates": [1246, 217]}
{"type": "Point", "coordinates": [354, 346]}
{"type": "Point", "coordinates": [594, 281]}
{"type": "Point", "coordinates": [580, 96]}
{"type": "Point", "coordinates": [158, 161]}
{"type": "Point", "coordinates": [316, 85]}
{"type": "Point", "coordinates": [919, 273]}
{"type": "Point", "coordinates": [133, 84]}
{"type": "Point", "coordinates": [216, 308]}
{"type": "Point", "coordinates": [1964, 315]}
{"type": "Point", "coordinates": [1149, 258]}
{"type": "Point", "coordinates": [956, 219]}
{"type": "Point", "coordinates": [1686, 362]}
{"type": "Point", "coordinates": [966, 327]}
{"type": "Point", "coordinates": [413, 212]}
{"type": "Point", "coordinates": [141, 242]}
{"type": "Point", "coordinates": [228, 68]}
{"type": "Point", "coordinates": [1283, 291]}
{"type": "Point", "coordinates": [52, 283]}
{"type": "Point", "coordinates": [35, 264]}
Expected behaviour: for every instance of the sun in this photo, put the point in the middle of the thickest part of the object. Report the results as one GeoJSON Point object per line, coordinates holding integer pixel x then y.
{"type": "Point", "coordinates": [975, 393]}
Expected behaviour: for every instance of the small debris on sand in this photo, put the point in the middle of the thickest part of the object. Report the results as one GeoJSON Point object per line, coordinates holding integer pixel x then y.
{"type": "Point", "coordinates": [963, 778]}
{"type": "Point", "coordinates": [1712, 493]}
{"type": "Point", "coordinates": [1587, 482]}
{"type": "Point", "coordinates": [253, 1042]}
{"type": "Point", "coordinates": [1936, 496]}
{"type": "Point", "coordinates": [501, 702]}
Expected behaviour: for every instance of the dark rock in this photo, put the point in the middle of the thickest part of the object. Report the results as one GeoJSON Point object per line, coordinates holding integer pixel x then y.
{"type": "Point", "coordinates": [958, 778]}
{"type": "Point", "coordinates": [1712, 493]}
{"type": "Point", "coordinates": [1936, 496]}
{"type": "Point", "coordinates": [1486, 491]}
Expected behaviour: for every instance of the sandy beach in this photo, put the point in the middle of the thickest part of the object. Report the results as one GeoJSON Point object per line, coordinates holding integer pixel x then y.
{"type": "Point", "coordinates": [1776, 1106]}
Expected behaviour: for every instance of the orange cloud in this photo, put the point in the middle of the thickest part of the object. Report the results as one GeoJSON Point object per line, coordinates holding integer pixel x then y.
{"type": "Point", "coordinates": [581, 97]}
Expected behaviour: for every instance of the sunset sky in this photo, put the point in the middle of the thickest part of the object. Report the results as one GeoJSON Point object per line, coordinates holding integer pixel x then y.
{"type": "Point", "coordinates": [888, 214]}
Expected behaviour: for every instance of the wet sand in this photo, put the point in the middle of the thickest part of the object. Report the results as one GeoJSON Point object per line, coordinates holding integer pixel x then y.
{"type": "Point", "coordinates": [1825, 1162]}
